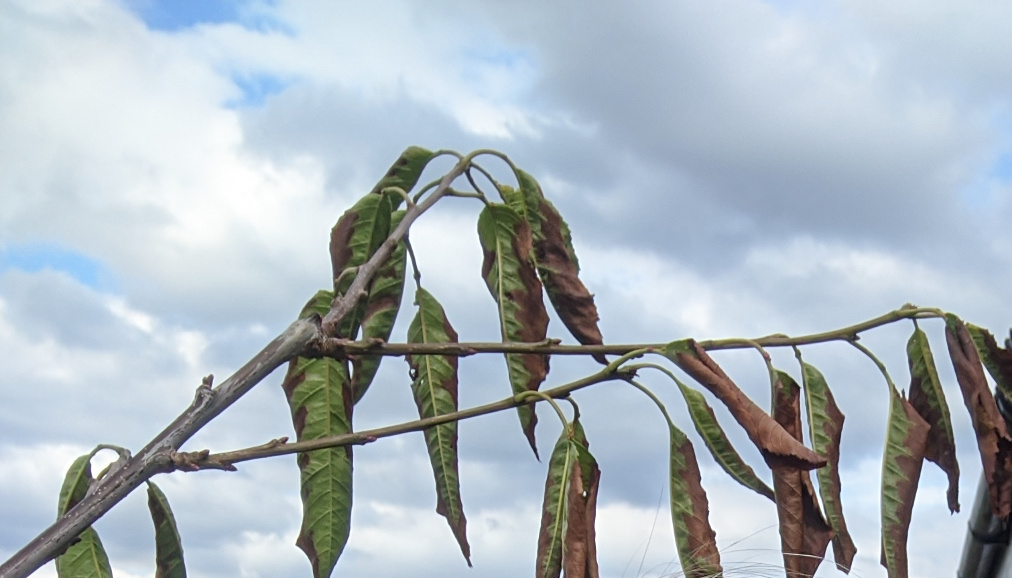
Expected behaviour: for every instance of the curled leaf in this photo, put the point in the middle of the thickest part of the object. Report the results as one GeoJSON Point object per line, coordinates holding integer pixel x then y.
{"type": "Point", "coordinates": [579, 548]}
{"type": "Point", "coordinates": [86, 557]}
{"type": "Point", "coordinates": [776, 445]}
{"type": "Point", "coordinates": [719, 445]}
{"type": "Point", "coordinates": [320, 397]}
{"type": "Point", "coordinates": [508, 271]}
{"type": "Point", "coordinates": [434, 387]}
{"type": "Point", "coordinates": [405, 171]}
{"type": "Point", "coordinates": [168, 545]}
{"type": "Point", "coordinates": [561, 466]}
{"type": "Point", "coordinates": [998, 361]}
{"type": "Point", "coordinates": [825, 422]}
{"type": "Point", "coordinates": [927, 397]}
{"type": "Point", "coordinates": [804, 533]}
{"type": "Point", "coordinates": [906, 438]}
{"type": "Point", "coordinates": [993, 440]}
{"type": "Point", "coordinates": [695, 539]}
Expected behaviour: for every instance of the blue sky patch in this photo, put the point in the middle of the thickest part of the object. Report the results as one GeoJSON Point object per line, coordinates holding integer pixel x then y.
{"type": "Point", "coordinates": [36, 257]}
{"type": "Point", "coordinates": [175, 15]}
{"type": "Point", "coordinates": [256, 88]}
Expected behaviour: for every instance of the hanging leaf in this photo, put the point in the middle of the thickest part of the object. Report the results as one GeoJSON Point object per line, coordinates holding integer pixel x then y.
{"type": "Point", "coordinates": [380, 312]}
{"type": "Point", "coordinates": [804, 533]}
{"type": "Point", "coordinates": [998, 361]}
{"type": "Point", "coordinates": [690, 510]}
{"type": "Point", "coordinates": [716, 441]}
{"type": "Point", "coordinates": [906, 438]}
{"type": "Point", "coordinates": [85, 558]}
{"type": "Point", "coordinates": [776, 445]}
{"type": "Point", "coordinates": [434, 386]}
{"type": "Point", "coordinates": [553, 509]}
{"type": "Point", "coordinates": [993, 440]}
{"type": "Point", "coordinates": [319, 395]}
{"type": "Point", "coordinates": [825, 422]}
{"type": "Point", "coordinates": [508, 270]}
{"type": "Point", "coordinates": [168, 545]}
{"type": "Point", "coordinates": [926, 396]}
{"type": "Point", "coordinates": [405, 171]}
{"type": "Point", "coordinates": [355, 237]}
{"type": "Point", "coordinates": [579, 548]}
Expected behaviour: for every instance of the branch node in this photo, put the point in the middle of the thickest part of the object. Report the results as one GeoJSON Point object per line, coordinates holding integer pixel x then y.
{"type": "Point", "coordinates": [195, 461]}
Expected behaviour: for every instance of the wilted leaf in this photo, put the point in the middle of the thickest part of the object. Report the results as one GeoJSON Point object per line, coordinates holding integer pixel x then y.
{"type": "Point", "coordinates": [355, 237]}
{"type": "Point", "coordinates": [993, 440]}
{"type": "Point", "coordinates": [906, 437]}
{"type": "Point", "coordinates": [319, 395]}
{"type": "Point", "coordinates": [579, 549]}
{"type": "Point", "coordinates": [380, 312]}
{"type": "Point", "coordinates": [926, 396]}
{"type": "Point", "coordinates": [85, 558]}
{"type": "Point", "coordinates": [825, 422]}
{"type": "Point", "coordinates": [553, 509]}
{"type": "Point", "coordinates": [718, 444]}
{"type": "Point", "coordinates": [804, 533]}
{"type": "Point", "coordinates": [405, 171]}
{"type": "Point", "coordinates": [690, 510]}
{"type": "Point", "coordinates": [168, 546]}
{"type": "Point", "coordinates": [776, 445]}
{"type": "Point", "coordinates": [998, 361]}
{"type": "Point", "coordinates": [434, 386]}
{"type": "Point", "coordinates": [508, 270]}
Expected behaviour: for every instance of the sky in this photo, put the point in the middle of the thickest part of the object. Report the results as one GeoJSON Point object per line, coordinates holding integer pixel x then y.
{"type": "Point", "coordinates": [170, 171]}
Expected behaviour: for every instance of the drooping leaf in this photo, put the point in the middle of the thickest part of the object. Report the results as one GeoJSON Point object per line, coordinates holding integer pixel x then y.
{"type": "Point", "coordinates": [320, 397]}
{"type": "Point", "coordinates": [508, 270]}
{"type": "Point", "coordinates": [85, 558]}
{"type": "Point", "coordinates": [804, 533]}
{"type": "Point", "coordinates": [926, 396]}
{"type": "Point", "coordinates": [906, 437]}
{"type": "Point", "coordinates": [998, 361]}
{"type": "Point", "coordinates": [695, 539]}
{"type": "Point", "coordinates": [355, 237]}
{"type": "Point", "coordinates": [405, 171]}
{"type": "Point", "coordinates": [716, 441]}
{"type": "Point", "coordinates": [579, 548]}
{"type": "Point", "coordinates": [551, 536]}
{"type": "Point", "coordinates": [825, 422]}
{"type": "Point", "coordinates": [776, 445]}
{"type": "Point", "coordinates": [993, 440]}
{"type": "Point", "coordinates": [380, 312]}
{"type": "Point", "coordinates": [434, 386]}
{"type": "Point", "coordinates": [168, 546]}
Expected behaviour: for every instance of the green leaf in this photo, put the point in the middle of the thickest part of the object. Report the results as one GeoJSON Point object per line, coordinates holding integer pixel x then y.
{"type": "Point", "coordinates": [906, 437]}
{"type": "Point", "coordinates": [553, 510]}
{"type": "Point", "coordinates": [85, 558]}
{"type": "Point", "coordinates": [717, 442]}
{"type": "Point", "coordinates": [825, 423]}
{"type": "Point", "coordinates": [998, 361]}
{"type": "Point", "coordinates": [434, 386]}
{"type": "Point", "coordinates": [353, 240]}
{"type": "Point", "coordinates": [690, 510]}
{"type": "Point", "coordinates": [927, 397]}
{"type": "Point", "coordinates": [405, 171]}
{"type": "Point", "coordinates": [168, 545]}
{"type": "Point", "coordinates": [380, 312]}
{"type": "Point", "coordinates": [509, 273]}
{"type": "Point", "coordinates": [319, 395]}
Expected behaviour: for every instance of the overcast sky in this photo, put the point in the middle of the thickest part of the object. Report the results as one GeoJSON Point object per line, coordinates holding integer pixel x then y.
{"type": "Point", "coordinates": [170, 171]}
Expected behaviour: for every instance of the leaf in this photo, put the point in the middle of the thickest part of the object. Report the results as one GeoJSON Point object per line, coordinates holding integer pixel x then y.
{"type": "Point", "coordinates": [993, 440]}
{"type": "Point", "coordinates": [998, 361]}
{"type": "Point", "coordinates": [926, 396]}
{"type": "Point", "coordinates": [825, 422]}
{"type": "Point", "coordinates": [168, 545]}
{"type": "Point", "coordinates": [690, 510]}
{"type": "Point", "coordinates": [85, 557]}
{"type": "Point", "coordinates": [776, 445]}
{"type": "Point", "coordinates": [434, 386]}
{"type": "Point", "coordinates": [508, 270]}
{"type": "Point", "coordinates": [804, 533]}
{"type": "Point", "coordinates": [553, 509]}
{"type": "Point", "coordinates": [353, 240]}
{"type": "Point", "coordinates": [906, 438]}
{"type": "Point", "coordinates": [718, 444]}
{"type": "Point", "coordinates": [319, 395]}
{"type": "Point", "coordinates": [380, 313]}
{"type": "Point", "coordinates": [579, 549]}
{"type": "Point", "coordinates": [405, 171]}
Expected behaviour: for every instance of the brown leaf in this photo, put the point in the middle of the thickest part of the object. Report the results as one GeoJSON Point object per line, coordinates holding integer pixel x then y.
{"type": "Point", "coordinates": [777, 447]}
{"type": "Point", "coordinates": [559, 271]}
{"type": "Point", "coordinates": [993, 440]}
{"type": "Point", "coordinates": [690, 511]}
{"type": "Point", "coordinates": [579, 559]}
{"type": "Point", "coordinates": [998, 361]}
{"type": "Point", "coordinates": [804, 533]}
